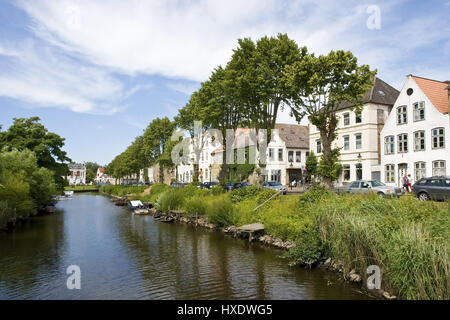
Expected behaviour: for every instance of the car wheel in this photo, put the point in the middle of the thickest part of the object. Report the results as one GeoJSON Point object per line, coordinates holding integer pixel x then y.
{"type": "Point", "coordinates": [380, 194]}
{"type": "Point", "coordinates": [423, 196]}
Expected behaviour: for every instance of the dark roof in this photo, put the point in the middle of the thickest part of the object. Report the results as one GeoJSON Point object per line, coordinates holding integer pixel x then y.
{"type": "Point", "coordinates": [380, 93]}
{"type": "Point", "coordinates": [294, 135]}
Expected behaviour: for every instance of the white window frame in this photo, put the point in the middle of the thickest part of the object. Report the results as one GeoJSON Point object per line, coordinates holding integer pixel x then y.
{"type": "Point", "coordinates": [439, 170]}
{"type": "Point", "coordinates": [418, 110]}
{"type": "Point", "coordinates": [420, 170]}
{"type": "Point", "coordinates": [418, 140]}
{"type": "Point", "coordinates": [346, 143]}
{"type": "Point", "coordinates": [360, 141]}
{"type": "Point", "coordinates": [360, 116]}
{"type": "Point", "coordinates": [389, 141]}
{"type": "Point", "coordinates": [346, 116]}
{"type": "Point", "coordinates": [439, 137]}
{"type": "Point", "coordinates": [318, 146]}
{"type": "Point", "coordinates": [402, 143]}
{"type": "Point", "coordinates": [389, 173]}
{"type": "Point", "coordinates": [402, 115]}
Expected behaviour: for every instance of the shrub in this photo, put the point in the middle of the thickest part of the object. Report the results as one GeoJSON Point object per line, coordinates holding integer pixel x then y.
{"type": "Point", "coordinates": [220, 211]}
{"type": "Point", "coordinates": [266, 194]}
{"type": "Point", "coordinates": [308, 248]}
{"type": "Point", "coordinates": [238, 195]}
{"type": "Point", "coordinates": [170, 200]}
{"type": "Point", "coordinates": [217, 190]}
{"type": "Point", "coordinates": [196, 205]}
{"type": "Point", "coordinates": [314, 195]}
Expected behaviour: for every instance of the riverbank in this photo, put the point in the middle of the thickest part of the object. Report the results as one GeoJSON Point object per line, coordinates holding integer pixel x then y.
{"type": "Point", "coordinates": [406, 238]}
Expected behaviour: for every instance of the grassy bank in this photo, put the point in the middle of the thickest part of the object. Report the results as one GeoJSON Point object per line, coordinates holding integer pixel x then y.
{"type": "Point", "coordinates": [119, 190]}
{"type": "Point", "coordinates": [81, 188]}
{"type": "Point", "coordinates": [407, 238]}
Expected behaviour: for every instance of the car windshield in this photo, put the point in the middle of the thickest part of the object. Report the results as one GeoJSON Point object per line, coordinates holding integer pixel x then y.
{"type": "Point", "coordinates": [274, 183]}
{"type": "Point", "coordinates": [376, 184]}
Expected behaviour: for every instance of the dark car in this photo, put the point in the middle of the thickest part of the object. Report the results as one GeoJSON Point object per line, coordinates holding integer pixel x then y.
{"type": "Point", "coordinates": [233, 185]}
{"type": "Point", "coordinates": [177, 185]}
{"type": "Point", "coordinates": [434, 188]}
{"type": "Point", "coordinates": [208, 185]}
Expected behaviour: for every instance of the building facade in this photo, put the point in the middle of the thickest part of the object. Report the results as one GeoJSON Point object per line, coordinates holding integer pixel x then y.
{"type": "Point", "coordinates": [358, 134]}
{"type": "Point", "coordinates": [77, 174]}
{"type": "Point", "coordinates": [416, 138]}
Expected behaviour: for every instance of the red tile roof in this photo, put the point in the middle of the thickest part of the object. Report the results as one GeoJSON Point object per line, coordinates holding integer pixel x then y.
{"type": "Point", "coordinates": [436, 91]}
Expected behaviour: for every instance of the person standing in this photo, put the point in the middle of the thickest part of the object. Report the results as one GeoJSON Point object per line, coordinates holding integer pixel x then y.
{"type": "Point", "coordinates": [405, 182]}
{"type": "Point", "coordinates": [292, 184]}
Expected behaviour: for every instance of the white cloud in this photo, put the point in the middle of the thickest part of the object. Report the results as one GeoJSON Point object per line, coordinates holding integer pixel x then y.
{"type": "Point", "coordinates": [185, 40]}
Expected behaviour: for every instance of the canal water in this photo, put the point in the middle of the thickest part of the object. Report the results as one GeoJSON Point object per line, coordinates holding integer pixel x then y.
{"type": "Point", "coordinates": [122, 256]}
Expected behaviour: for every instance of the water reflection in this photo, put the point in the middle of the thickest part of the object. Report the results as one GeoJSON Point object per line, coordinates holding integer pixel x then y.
{"type": "Point", "coordinates": [122, 256]}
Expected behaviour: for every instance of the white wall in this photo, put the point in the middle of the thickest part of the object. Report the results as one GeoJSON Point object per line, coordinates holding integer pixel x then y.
{"type": "Point", "coordinates": [433, 119]}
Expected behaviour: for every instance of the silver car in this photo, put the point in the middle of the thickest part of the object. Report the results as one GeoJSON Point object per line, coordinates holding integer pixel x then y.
{"type": "Point", "coordinates": [275, 185]}
{"type": "Point", "coordinates": [366, 186]}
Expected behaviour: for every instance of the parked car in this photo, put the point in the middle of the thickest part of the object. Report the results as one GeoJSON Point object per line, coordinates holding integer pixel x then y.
{"type": "Point", "coordinates": [208, 185]}
{"type": "Point", "coordinates": [275, 185]}
{"type": "Point", "coordinates": [434, 188]}
{"type": "Point", "coordinates": [177, 185]}
{"type": "Point", "coordinates": [245, 184]}
{"type": "Point", "coordinates": [366, 186]}
{"type": "Point", "coordinates": [233, 185]}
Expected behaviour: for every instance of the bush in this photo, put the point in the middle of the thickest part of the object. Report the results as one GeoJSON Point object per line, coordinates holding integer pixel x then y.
{"type": "Point", "coordinates": [308, 248]}
{"type": "Point", "coordinates": [196, 205]}
{"type": "Point", "coordinates": [238, 195]}
{"type": "Point", "coordinates": [170, 200]}
{"type": "Point", "coordinates": [314, 195]}
{"type": "Point", "coordinates": [120, 190]}
{"type": "Point", "coordinates": [217, 190]}
{"type": "Point", "coordinates": [220, 211]}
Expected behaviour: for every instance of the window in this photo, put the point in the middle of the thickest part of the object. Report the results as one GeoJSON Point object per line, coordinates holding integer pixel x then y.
{"type": "Point", "coordinates": [358, 137]}
{"type": "Point", "coordinates": [439, 168]}
{"type": "Point", "coordinates": [402, 142]}
{"type": "Point", "coordinates": [447, 183]}
{"type": "Point", "coordinates": [298, 156]}
{"type": "Point", "coordinates": [434, 182]}
{"type": "Point", "coordinates": [346, 172]}
{"type": "Point", "coordinates": [390, 173]}
{"type": "Point", "coordinates": [346, 117]}
{"type": "Point", "coordinates": [346, 142]}
{"type": "Point", "coordinates": [271, 155]}
{"type": "Point", "coordinates": [419, 140]}
{"type": "Point", "coordinates": [307, 154]}
{"type": "Point", "coordinates": [280, 154]}
{"type": "Point", "coordinates": [291, 156]}
{"type": "Point", "coordinates": [318, 146]}
{"type": "Point", "coordinates": [358, 117]}
{"type": "Point", "coordinates": [355, 184]}
{"type": "Point", "coordinates": [437, 138]}
{"type": "Point", "coordinates": [275, 175]}
{"type": "Point", "coordinates": [389, 145]}
{"type": "Point", "coordinates": [419, 170]}
{"type": "Point", "coordinates": [419, 111]}
{"type": "Point", "coordinates": [402, 116]}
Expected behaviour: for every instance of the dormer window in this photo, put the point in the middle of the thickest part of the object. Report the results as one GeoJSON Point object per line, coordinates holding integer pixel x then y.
{"type": "Point", "coordinates": [402, 116]}
{"type": "Point", "coordinates": [419, 111]}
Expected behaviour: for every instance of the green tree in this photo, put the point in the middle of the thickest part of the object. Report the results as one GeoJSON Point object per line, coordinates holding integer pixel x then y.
{"type": "Point", "coordinates": [311, 165]}
{"type": "Point", "coordinates": [32, 135]}
{"type": "Point", "coordinates": [91, 171]}
{"type": "Point", "coordinates": [319, 86]}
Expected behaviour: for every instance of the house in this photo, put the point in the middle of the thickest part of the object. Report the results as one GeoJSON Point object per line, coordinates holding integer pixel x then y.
{"type": "Point", "coordinates": [77, 174]}
{"type": "Point", "coordinates": [101, 177]}
{"type": "Point", "coordinates": [358, 133]}
{"type": "Point", "coordinates": [286, 155]}
{"type": "Point", "coordinates": [416, 138]}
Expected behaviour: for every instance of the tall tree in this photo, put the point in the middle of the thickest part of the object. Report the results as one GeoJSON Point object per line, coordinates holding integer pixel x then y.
{"type": "Point", "coordinates": [156, 136]}
{"type": "Point", "coordinates": [319, 86]}
{"type": "Point", "coordinates": [32, 135]}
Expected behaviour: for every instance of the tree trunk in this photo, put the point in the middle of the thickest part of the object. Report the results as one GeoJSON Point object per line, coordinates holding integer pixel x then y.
{"type": "Point", "coordinates": [196, 173]}
{"type": "Point", "coordinates": [161, 174]}
{"type": "Point", "coordinates": [326, 153]}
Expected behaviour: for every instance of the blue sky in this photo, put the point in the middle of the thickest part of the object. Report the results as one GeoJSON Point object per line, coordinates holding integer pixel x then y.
{"type": "Point", "coordinates": [97, 72]}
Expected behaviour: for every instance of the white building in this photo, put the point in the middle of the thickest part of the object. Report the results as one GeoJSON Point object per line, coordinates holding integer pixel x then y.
{"type": "Point", "coordinates": [286, 155]}
{"type": "Point", "coordinates": [101, 177]}
{"type": "Point", "coordinates": [358, 134]}
{"type": "Point", "coordinates": [77, 174]}
{"type": "Point", "coordinates": [149, 175]}
{"type": "Point", "coordinates": [416, 138]}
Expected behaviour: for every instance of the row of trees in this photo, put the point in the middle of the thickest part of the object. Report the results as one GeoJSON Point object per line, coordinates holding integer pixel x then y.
{"type": "Point", "coordinates": [31, 168]}
{"type": "Point", "coordinates": [260, 79]}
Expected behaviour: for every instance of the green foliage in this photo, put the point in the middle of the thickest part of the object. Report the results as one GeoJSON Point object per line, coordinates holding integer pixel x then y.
{"type": "Point", "coordinates": [170, 200]}
{"type": "Point", "coordinates": [91, 171]}
{"type": "Point", "coordinates": [238, 195]}
{"type": "Point", "coordinates": [25, 188]}
{"type": "Point", "coordinates": [221, 211]}
{"type": "Point", "coordinates": [196, 205]}
{"type": "Point", "coordinates": [314, 195]}
{"type": "Point", "coordinates": [308, 248]}
{"type": "Point", "coordinates": [330, 167]}
{"type": "Point", "coordinates": [311, 165]}
{"type": "Point", "coordinates": [217, 190]}
{"type": "Point", "coordinates": [120, 190]}
{"type": "Point", "coordinates": [29, 134]}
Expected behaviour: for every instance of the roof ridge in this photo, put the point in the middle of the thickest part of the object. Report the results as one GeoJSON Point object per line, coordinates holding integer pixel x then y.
{"type": "Point", "coordinates": [426, 78]}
